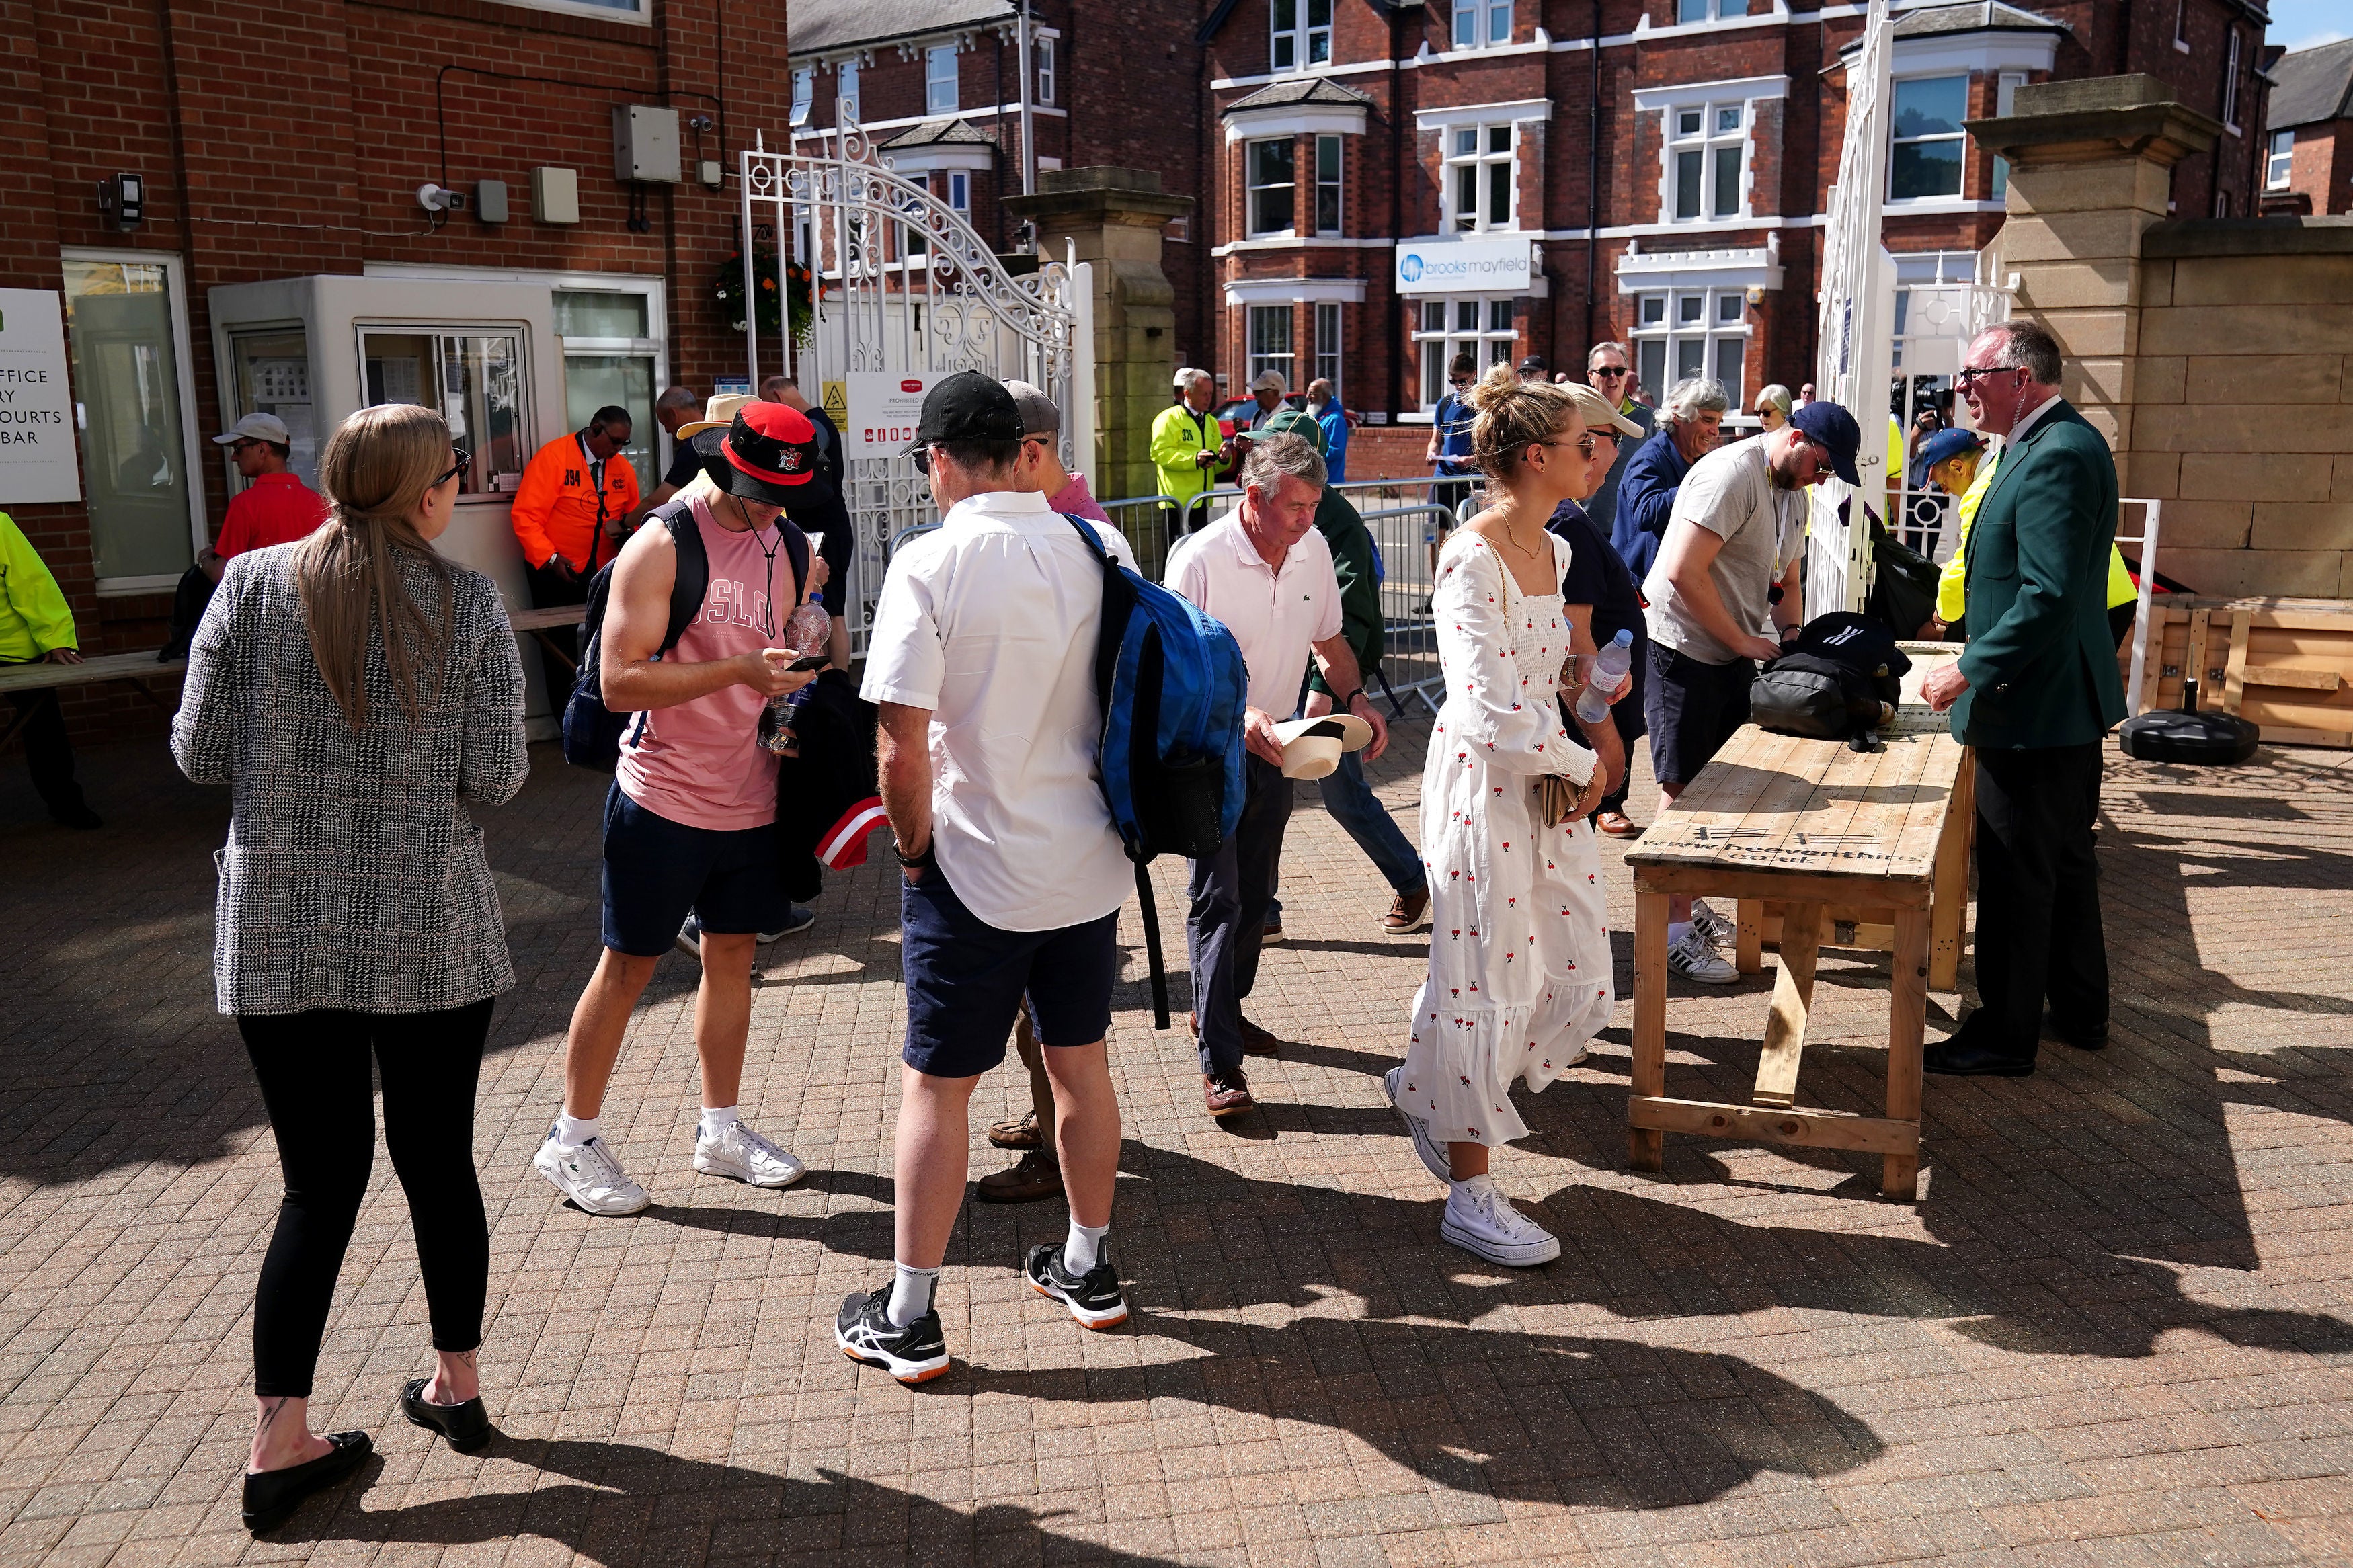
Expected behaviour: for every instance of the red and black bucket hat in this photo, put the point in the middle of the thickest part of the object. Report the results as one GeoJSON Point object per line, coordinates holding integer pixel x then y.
{"type": "Point", "coordinates": [768, 451]}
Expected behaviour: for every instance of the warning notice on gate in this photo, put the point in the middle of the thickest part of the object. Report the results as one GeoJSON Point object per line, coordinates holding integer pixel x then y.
{"type": "Point", "coordinates": [885, 409]}
{"type": "Point", "coordinates": [834, 398]}
{"type": "Point", "coordinates": [37, 413]}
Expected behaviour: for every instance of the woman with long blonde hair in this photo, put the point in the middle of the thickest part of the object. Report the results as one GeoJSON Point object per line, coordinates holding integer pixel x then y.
{"type": "Point", "coordinates": [1519, 972]}
{"type": "Point", "coordinates": [353, 689]}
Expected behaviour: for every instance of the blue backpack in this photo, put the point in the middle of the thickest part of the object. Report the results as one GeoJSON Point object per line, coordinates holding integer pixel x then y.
{"type": "Point", "coordinates": [1170, 679]}
{"type": "Point", "coordinates": [592, 732]}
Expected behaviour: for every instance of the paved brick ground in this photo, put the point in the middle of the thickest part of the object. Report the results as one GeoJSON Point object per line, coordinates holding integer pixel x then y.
{"type": "Point", "coordinates": [2116, 1329]}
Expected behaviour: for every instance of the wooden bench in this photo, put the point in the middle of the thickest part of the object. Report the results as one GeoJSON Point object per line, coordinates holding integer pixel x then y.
{"type": "Point", "coordinates": [133, 669]}
{"type": "Point", "coordinates": [538, 623]}
{"type": "Point", "coordinates": [1802, 834]}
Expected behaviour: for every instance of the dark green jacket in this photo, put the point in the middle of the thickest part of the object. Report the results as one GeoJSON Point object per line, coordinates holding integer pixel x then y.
{"type": "Point", "coordinates": [2040, 664]}
{"type": "Point", "coordinates": [1360, 589]}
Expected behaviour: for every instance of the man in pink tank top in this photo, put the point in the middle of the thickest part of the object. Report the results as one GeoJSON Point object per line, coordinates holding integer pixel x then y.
{"type": "Point", "coordinates": [689, 822]}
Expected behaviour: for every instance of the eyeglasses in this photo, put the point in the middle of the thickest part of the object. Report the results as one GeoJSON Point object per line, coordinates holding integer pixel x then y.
{"type": "Point", "coordinates": [924, 461]}
{"type": "Point", "coordinates": [237, 447]}
{"type": "Point", "coordinates": [1458, 381]}
{"type": "Point", "coordinates": [1972, 374]}
{"type": "Point", "coordinates": [465, 460]}
{"type": "Point", "coordinates": [1591, 438]}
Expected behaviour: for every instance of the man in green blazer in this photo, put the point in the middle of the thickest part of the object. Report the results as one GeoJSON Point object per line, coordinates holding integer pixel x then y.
{"type": "Point", "coordinates": [2035, 692]}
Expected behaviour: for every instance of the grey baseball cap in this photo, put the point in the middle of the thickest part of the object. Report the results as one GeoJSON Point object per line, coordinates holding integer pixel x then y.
{"type": "Point", "coordinates": [1039, 414]}
{"type": "Point", "coordinates": [255, 428]}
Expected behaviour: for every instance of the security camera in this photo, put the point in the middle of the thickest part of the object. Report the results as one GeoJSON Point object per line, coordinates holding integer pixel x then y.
{"type": "Point", "coordinates": [435, 199]}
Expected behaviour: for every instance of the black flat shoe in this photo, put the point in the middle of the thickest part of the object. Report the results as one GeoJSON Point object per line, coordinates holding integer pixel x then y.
{"type": "Point", "coordinates": [466, 1425]}
{"type": "Point", "coordinates": [2095, 1038]}
{"type": "Point", "coordinates": [272, 1494]}
{"type": "Point", "coordinates": [1957, 1059]}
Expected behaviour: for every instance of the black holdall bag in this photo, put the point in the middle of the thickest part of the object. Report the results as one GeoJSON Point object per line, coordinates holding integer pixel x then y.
{"type": "Point", "coordinates": [2186, 735]}
{"type": "Point", "coordinates": [1839, 680]}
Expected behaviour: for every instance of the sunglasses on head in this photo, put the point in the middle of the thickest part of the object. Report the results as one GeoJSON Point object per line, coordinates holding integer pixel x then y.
{"type": "Point", "coordinates": [465, 460]}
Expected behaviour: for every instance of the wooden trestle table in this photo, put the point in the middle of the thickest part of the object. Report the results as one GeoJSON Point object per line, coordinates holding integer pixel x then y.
{"type": "Point", "coordinates": [1804, 835]}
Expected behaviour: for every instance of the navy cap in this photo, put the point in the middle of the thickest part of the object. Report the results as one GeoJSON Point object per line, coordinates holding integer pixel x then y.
{"type": "Point", "coordinates": [1942, 445]}
{"type": "Point", "coordinates": [1834, 427]}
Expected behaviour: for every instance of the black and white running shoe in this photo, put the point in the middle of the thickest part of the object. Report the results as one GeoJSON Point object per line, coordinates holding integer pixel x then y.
{"type": "Point", "coordinates": [1094, 1301]}
{"type": "Point", "coordinates": [916, 1353]}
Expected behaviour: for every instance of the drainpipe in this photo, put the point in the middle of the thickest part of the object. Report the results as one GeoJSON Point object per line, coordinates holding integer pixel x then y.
{"type": "Point", "coordinates": [1593, 181]}
{"type": "Point", "coordinates": [1402, 394]}
{"type": "Point", "coordinates": [1029, 126]}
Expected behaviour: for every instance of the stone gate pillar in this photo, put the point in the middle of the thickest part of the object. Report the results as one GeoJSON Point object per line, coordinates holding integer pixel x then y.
{"type": "Point", "coordinates": [1113, 219]}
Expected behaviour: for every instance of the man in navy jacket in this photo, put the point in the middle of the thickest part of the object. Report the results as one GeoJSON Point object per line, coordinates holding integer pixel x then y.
{"type": "Point", "coordinates": [1689, 427]}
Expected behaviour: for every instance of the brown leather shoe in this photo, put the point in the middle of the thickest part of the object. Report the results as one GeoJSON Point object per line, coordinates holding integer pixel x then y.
{"type": "Point", "coordinates": [1016, 1131]}
{"type": "Point", "coordinates": [1227, 1093]}
{"type": "Point", "coordinates": [1258, 1042]}
{"type": "Point", "coordinates": [1617, 824]}
{"type": "Point", "coordinates": [1270, 933]}
{"type": "Point", "coordinates": [1034, 1177]}
{"type": "Point", "coordinates": [1407, 911]}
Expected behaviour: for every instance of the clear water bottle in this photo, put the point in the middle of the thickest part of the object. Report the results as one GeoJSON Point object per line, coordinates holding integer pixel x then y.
{"type": "Point", "coordinates": [1608, 668]}
{"type": "Point", "coordinates": [806, 631]}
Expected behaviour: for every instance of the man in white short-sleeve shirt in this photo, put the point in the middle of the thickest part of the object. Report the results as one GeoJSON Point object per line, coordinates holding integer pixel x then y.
{"type": "Point", "coordinates": [982, 662]}
{"type": "Point", "coordinates": [1266, 572]}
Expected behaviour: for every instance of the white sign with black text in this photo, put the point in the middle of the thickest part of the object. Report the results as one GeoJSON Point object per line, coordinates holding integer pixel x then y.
{"type": "Point", "coordinates": [36, 426]}
{"type": "Point", "coordinates": [884, 408]}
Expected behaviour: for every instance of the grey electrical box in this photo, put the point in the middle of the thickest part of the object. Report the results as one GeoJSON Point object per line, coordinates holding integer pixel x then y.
{"type": "Point", "coordinates": [709, 170]}
{"type": "Point", "coordinates": [644, 144]}
{"type": "Point", "coordinates": [556, 195]}
{"type": "Point", "coordinates": [491, 201]}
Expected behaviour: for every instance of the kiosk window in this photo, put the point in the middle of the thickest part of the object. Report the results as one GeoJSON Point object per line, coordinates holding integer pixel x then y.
{"type": "Point", "coordinates": [474, 380]}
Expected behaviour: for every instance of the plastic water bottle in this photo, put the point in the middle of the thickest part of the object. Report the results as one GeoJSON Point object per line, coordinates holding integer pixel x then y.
{"type": "Point", "coordinates": [806, 631]}
{"type": "Point", "coordinates": [1608, 668]}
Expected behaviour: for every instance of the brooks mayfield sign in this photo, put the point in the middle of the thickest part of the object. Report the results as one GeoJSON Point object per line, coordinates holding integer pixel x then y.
{"type": "Point", "coordinates": [1466, 267]}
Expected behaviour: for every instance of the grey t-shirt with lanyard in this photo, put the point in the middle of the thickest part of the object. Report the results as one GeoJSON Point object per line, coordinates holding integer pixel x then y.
{"type": "Point", "coordinates": [1731, 493]}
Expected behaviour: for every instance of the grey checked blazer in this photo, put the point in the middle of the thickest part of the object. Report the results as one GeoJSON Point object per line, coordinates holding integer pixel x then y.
{"type": "Point", "coordinates": [353, 879]}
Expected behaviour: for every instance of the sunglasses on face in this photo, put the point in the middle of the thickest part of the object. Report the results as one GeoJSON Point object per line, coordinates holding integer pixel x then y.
{"type": "Point", "coordinates": [237, 448]}
{"type": "Point", "coordinates": [1600, 370]}
{"type": "Point", "coordinates": [1593, 439]}
{"type": "Point", "coordinates": [465, 460]}
{"type": "Point", "coordinates": [924, 461]}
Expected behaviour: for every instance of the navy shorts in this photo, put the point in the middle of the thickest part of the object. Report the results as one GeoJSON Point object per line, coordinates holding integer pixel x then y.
{"type": "Point", "coordinates": [965, 979]}
{"type": "Point", "coordinates": [1692, 709]}
{"type": "Point", "coordinates": [656, 871]}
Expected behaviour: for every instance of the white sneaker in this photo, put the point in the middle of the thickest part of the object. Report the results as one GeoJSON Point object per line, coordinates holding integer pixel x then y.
{"type": "Point", "coordinates": [1715, 927]}
{"type": "Point", "coordinates": [742, 1156]}
{"type": "Point", "coordinates": [690, 939]}
{"type": "Point", "coordinates": [1433, 1153]}
{"type": "Point", "coordinates": [590, 1176]}
{"type": "Point", "coordinates": [1696, 959]}
{"type": "Point", "coordinates": [1484, 1224]}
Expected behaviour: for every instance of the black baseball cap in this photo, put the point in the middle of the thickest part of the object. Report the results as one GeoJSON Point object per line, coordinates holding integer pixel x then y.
{"type": "Point", "coordinates": [1532, 363]}
{"type": "Point", "coordinates": [1835, 429]}
{"type": "Point", "coordinates": [968, 406]}
{"type": "Point", "coordinates": [768, 451]}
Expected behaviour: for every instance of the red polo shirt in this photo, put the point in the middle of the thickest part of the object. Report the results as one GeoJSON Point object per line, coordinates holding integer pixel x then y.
{"type": "Point", "coordinates": [275, 509]}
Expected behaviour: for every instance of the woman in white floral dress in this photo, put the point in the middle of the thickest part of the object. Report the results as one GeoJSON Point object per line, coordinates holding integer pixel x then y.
{"type": "Point", "coordinates": [1519, 955]}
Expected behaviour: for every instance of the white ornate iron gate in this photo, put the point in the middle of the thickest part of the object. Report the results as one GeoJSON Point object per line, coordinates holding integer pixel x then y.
{"type": "Point", "coordinates": [898, 282]}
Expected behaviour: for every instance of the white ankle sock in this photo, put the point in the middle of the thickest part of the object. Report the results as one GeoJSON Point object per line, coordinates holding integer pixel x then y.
{"type": "Point", "coordinates": [911, 1295]}
{"type": "Point", "coordinates": [716, 1119]}
{"type": "Point", "coordinates": [1677, 930]}
{"type": "Point", "coordinates": [574, 1131]}
{"type": "Point", "coordinates": [1082, 1249]}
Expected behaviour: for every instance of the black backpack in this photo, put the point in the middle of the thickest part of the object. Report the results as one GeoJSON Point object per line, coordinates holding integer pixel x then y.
{"type": "Point", "coordinates": [592, 732]}
{"type": "Point", "coordinates": [1839, 681]}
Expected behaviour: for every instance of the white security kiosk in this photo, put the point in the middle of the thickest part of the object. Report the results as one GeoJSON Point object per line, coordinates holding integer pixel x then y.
{"type": "Point", "coordinates": [484, 354]}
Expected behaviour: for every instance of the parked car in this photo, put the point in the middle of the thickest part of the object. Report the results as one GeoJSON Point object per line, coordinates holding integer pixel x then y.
{"type": "Point", "coordinates": [1235, 413]}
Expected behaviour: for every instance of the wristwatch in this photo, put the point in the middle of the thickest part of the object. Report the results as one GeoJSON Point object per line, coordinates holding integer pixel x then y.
{"type": "Point", "coordinates": [924, 861]}
{"type": "Point", "coordinates": [1348, 703]}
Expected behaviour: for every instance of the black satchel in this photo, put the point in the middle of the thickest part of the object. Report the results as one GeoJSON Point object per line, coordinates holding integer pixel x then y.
{"type": "Point", "coordinates": [1838, 682]}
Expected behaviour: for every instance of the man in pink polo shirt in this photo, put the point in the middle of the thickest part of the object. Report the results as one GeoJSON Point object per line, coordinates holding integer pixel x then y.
{"type": "Point", "coordinates": [689, 822]}
{"type": "Point", "coordinates": [1041, 468]}
{"type": "Point", "coordinates": [275, 507]}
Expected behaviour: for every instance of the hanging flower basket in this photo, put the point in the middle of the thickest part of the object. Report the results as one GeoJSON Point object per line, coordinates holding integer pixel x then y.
{"type": "Point", "coordinates": [728, 288]}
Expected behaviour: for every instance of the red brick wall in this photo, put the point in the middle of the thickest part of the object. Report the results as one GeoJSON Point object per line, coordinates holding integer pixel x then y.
{"type": "Point", "coordinates": [286, 140]}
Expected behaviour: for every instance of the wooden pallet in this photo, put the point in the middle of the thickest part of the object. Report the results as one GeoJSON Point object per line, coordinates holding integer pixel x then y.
{"type": "Point", "coordinates": [2285, 664]}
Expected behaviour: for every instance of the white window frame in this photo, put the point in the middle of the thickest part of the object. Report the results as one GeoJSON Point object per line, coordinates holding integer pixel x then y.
{"type": "Point", "coordinates": [935, 100]}
{"type": "Point", "coordinates": [959, 195]}
{"type": "Point", "coordinates": [192, 448]}
{"type": "Point", "coordinates": [1284, 362]}
{"type": "Point", "coordinates": [1337, 184]}
{"type": "Point", "coordinates": [1490, 24]}
{"type": "Point", "coordinates": [1490, 335]}
{"type": "Point", "coordinates": [1708, 142]}
{"type": "Point", "coordinates": [804, 95]}
{"type": "Point", "coordinates": [639, 13]}
{"type": "Point", "coordinates": [1041, 52]}
{"type": "Point", "coordinates": [1667, 321]}
{"type": "Point", "coordinates": [2180, 25]}
{"type": "Point", "coordinates": [2005, 99]}
{"type": "Point", "coordinates": [1304, 43]}
{"type": "Point", "coordinates": [1330, 329]}
{"type": "Point", "coordinates": [2232, 60]}
{"type": "Point", "coordinates": [2279, 160]}
{"type": "Point", "coordinates": [1718, 11]}
{"type": "Point", "coordinates": [845, 88]}
{"type": "Point", "coordinates": [1957, 136]}
{"type": "Point", "coordinates": [1251, 186]}
{"type": "Point", "coordinates": [1481, 157]}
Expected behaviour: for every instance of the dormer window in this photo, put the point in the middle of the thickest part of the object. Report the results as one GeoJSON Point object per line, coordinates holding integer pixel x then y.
{"type": "Point", "coordinates": [1482, 23]}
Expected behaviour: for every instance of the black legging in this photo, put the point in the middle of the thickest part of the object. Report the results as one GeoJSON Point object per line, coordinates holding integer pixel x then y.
{"type": "Point", "coordinates": [313, 1069]}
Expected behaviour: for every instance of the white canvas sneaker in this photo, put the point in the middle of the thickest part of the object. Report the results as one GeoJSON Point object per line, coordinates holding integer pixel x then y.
{"type": "Point", "coordinates": [742, 1156]}
{"type": "Point", "coordinates": [1695, 958]}
{"type": "Point", "coordinates": [1484, 1224]}
{"type": "Point", "coordinates": [1722, 932]}
{"type": "Point", "coordinates": [589, 1175]}
{"type": "Point", "coordinates": [1433, 1153]}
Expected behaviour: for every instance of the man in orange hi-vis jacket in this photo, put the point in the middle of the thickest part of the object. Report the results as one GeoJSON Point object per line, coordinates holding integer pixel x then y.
{"type": "Point", "coordinates": [567, 515]}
